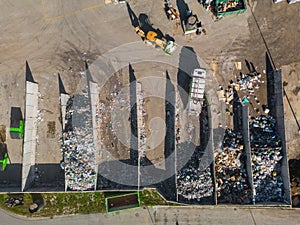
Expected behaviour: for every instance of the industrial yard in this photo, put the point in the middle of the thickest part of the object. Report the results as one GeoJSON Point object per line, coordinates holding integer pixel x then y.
{"type": "Point", "coordinates": [197, 99]}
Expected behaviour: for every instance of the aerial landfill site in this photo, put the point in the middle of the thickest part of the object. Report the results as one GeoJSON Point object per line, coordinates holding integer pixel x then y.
{"type": "Point", "coordinates": [167, 99]}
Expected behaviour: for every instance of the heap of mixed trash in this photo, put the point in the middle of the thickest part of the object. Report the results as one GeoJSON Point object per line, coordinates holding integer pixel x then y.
{"type": "Point", "coordinates": [266, 151]}
{"type": "Point", "coordinates": [78, 145]}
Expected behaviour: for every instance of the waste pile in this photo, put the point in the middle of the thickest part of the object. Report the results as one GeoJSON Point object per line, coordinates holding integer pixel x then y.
{"type": "Point", "coordinates": [229, 6]}
{"type": "Point", "coordinates": [266, 150]}
{"type": "Point", "coordinates": [245, 86]}
{"type": "Point", "coordinates": [231, 173]}
{"type": "Point", "coordinates": [194, 180]}
{"type": "Point", "coordinates": [194, 183]}
{"type": "Point", "coordinates": [244, 82]}
{"type": "Point", "coordinates": [78, 144]}
{"type": "Point", "coordinates": [222, 6]}
{"type": "Point", "coordinates": [248, 82]}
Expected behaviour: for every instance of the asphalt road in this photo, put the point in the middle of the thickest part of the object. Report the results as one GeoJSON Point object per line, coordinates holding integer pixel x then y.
{"type": "Point", "coordinates": [170, 216]}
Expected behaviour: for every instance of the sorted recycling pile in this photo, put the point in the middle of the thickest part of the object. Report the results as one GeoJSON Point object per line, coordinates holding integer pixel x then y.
{"type": "Point", "coordinates": [231, 173]}
{"type": "Point", "coordinates": [266, 153]}
{"type": "Point", "coordinates": [78, 145]}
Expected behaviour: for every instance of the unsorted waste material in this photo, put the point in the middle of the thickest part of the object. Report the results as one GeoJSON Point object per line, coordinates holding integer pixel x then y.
{"type": "Point", "coordinates": [78, 144]}
{"type": "Point", "coordinates": [231, 171]}
{"type": "Point", "coordinates": [266, 150]}
{"type": "Point", "coordinates": [195, 179]}
{"type": "Point", "coordinates": [194, 183]}
{"type": "Point", "coordinates": [245, 84]}
{"type": "Point", "coordinates": [249, 81]}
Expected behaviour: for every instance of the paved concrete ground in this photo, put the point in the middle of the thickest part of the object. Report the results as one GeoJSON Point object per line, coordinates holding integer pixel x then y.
{"type": "Point", "coordinates": [169, 216]}
{"type": "Point", "coordinates": [56, 36]}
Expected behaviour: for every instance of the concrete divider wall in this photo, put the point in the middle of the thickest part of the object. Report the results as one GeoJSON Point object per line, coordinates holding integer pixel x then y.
{"type": "Point", "coordinates": [210, 146]}
{"type": "Point", "coordinates": [140, 123]}
{"type": "Point", "coordinates": [30, 133]}
{"type": "Point", "coordinates": [277, 111]}
{"type": "Point", "coordinates": [63, 105]}
{"type": "Point", "coordinates": [175, 147]}
{"type": "Point", "coordinates": [94, 97]}
{"type": "Point", "coordinates": [247, 148]}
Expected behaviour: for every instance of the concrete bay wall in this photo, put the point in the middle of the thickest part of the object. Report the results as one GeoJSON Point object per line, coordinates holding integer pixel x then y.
{"type": "Point", "coordinates": [30, 133]}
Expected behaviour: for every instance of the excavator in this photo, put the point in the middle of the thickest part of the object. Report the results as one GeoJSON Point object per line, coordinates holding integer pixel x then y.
{"type": "Point", "coordinates": [144, 29]}
{"type": "Point", "coordinates": [152, 39]}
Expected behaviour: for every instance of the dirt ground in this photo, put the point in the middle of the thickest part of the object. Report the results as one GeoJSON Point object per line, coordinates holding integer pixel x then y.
{"type": "Point", "coordinates": [58, 36]}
